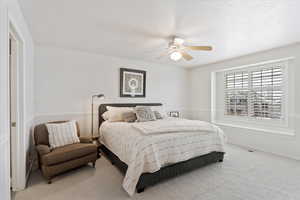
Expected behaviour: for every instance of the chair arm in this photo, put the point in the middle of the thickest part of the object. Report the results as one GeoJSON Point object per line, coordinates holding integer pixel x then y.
{"type": "Point", "coordinates": [85, 140]}
{"type": "Point", "coordinates": [43, 149]}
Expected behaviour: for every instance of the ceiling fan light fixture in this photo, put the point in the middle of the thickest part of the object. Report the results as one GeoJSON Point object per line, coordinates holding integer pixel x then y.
{"type": "Point", "coordinates": [176, 56]}
{"type": "Point", "coordinates": [178, 40]}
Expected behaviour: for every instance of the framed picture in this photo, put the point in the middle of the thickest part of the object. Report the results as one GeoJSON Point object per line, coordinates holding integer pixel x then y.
{"type": "Point", "coordinates": [174, 114]}
{"type": "Point", "coordinates": [132, 83]}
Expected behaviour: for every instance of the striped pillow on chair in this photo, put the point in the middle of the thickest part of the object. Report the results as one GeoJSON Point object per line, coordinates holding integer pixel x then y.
{"type": "Point", "coordinates": [61, 134]}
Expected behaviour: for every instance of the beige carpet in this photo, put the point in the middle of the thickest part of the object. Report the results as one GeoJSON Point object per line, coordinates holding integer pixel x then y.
{"type": "Point", "coordinates": [242, 176]}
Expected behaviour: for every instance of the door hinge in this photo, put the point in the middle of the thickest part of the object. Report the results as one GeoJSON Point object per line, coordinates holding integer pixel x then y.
{"type": "Point", "coordinates": [13, 124]}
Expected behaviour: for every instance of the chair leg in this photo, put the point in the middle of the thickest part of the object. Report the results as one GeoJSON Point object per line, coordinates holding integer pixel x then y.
{"type": "Point", "coordinates": [94, 164]}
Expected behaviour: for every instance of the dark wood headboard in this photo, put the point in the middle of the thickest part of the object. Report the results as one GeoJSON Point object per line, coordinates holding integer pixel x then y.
{"type": "Point", "coordinates": [102, 108]}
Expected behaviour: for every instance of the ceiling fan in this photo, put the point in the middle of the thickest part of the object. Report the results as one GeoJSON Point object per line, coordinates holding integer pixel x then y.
{"type": "Point", "coordinates": [178, 50]}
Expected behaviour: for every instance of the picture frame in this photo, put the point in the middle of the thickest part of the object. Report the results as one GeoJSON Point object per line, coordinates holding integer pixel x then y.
{"type": "Point", "coordinates": [132, 83]}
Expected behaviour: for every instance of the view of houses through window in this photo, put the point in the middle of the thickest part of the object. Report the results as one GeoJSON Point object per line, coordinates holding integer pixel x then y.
{"type": "Point", "coordinates": [256, 93]}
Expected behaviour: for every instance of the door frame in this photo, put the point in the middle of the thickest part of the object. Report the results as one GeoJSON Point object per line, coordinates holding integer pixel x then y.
{"type": "Point", "coordinates": [18, 157]}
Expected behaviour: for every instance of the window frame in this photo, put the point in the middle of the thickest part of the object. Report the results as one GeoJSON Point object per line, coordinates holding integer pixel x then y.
{"type": "Point", "coordinates": [231, 119]}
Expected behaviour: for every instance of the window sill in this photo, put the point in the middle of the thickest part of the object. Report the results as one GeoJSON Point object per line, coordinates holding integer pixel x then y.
{"type": "Point", "coordinates": [286, 132]}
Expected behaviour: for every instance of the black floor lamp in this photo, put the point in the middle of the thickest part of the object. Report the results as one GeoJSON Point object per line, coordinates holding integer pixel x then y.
{"type": "Point", "coordinates": [95, 139]}
{"type": "Point", "coordinates": [94, 96]}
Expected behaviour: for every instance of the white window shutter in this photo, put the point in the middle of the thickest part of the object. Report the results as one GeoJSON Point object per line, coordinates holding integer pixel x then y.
{"type": "Point", "coordinates": [266, 93]}
{"type": "Point", "coordinates": [256, 93]}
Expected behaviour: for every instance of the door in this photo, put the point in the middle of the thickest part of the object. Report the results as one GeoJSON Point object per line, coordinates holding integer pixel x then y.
{"type": "Point", "coordinates": [13, 104]}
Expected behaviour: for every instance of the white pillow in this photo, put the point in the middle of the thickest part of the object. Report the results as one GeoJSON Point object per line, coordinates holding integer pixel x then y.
{"type": "Point", "coordinates": [105, 115]}
{"type": "Point", "coordinates": [61, 134]}
{"type": "Point", "coordinates": [161, 111]}
{"type": "Point", "coordinates": [116, 114]}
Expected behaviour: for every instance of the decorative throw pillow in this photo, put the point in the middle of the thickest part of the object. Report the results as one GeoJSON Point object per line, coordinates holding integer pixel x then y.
{"type": "Point", "coordinates": [115, 114]}
{"type": "Point", "coordinates": [160, 110]}
{"type": "Point", "coordinates": [157, 115]}
{"type": "Point", "coordinates": [144, 114]}
{"type": "Point", "coordinates": [129, 116]}
{"type": "Point", "coordinates": [61, 134]}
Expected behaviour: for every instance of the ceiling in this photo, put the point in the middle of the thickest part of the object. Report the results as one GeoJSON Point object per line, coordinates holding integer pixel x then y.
{"type": "Point", "coordinates": [140, 29]}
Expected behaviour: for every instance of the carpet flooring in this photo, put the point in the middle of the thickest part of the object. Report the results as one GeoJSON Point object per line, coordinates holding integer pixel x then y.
{"type": "Point", "coordinates": [242, 176]}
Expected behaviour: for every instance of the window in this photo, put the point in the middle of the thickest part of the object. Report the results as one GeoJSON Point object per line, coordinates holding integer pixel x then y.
{"type": "Point", "coordinates": [256, 92]}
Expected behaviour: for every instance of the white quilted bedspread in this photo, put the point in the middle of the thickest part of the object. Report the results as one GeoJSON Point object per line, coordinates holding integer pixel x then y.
{"type": "Point", "coordinates": [146, 149]}
{"type": "Point", "coordinates": [172, 125]}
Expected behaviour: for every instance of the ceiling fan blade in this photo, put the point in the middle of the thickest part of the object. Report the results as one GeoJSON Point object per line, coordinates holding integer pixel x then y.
{"type": "Point", "coordinates": [186, 56]}
{"type": "Point", "coordinates": [199, 48]}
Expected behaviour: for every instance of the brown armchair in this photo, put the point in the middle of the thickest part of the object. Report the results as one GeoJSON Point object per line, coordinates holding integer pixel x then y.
{"type": "Point", "coordinates": [61, 159]}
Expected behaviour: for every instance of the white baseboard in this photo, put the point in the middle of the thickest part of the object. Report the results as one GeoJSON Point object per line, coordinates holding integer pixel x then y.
{"type": "Point", "coordinates": [260, 150]}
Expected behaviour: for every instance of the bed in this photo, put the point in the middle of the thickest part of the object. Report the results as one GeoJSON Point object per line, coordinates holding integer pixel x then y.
{"type": "Point", "coordinates": [116, 152]}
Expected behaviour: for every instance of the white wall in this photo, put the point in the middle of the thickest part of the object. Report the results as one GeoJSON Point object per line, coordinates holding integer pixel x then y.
{"type": "Point", "coordinates": [200, 103]}
{"type": "Point", "coordinates": [11, 12]}
{"type": "Point", "coordinates": [65, 80]}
